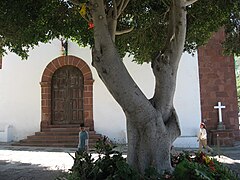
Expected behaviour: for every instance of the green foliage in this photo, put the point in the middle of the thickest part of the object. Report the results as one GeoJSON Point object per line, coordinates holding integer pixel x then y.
{"type": "Point", "coordinates": [232, 44]}
{"type": "Point", "coordinates": [26, 23]}
{"type": "Point", "coordinates": [201, 166]}
{"type": "Point", "coordinates": [111, 165]}
{"type": "Point", "coordinates": [150, 27]}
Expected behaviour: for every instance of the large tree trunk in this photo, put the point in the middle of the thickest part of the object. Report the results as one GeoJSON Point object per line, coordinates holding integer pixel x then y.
{"type": "Point", "coordinates": [152, 125]}
{"type": "Point", "coordinates": [149, 143]}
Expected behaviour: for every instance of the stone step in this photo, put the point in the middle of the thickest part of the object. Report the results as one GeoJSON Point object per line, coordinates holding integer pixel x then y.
{"type": "Point", "coordinates": [65, 126]}
{"type": "Point", "coordinates": [61, 129]}
{"type": "Point", "coordinates": [50, 144]}
{"type": "Point", "coordinates": [48, 141]}
{"type": "Point", "coordinates": [69, 145]}
{"type": "Point", "coordinates": [58, 136]}
{"type": "Point", "coordinates": [57, 133]}
{"type": "Point", "coordinates": [62, 136]}
{"type": "Point", "coordinates": [65, 129]}
{"type": "Point", "coordinates": [55, 139]}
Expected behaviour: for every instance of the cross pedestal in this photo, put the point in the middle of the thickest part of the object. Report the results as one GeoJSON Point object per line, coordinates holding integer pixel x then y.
{"type": "Point", "coordinates": [220, 126]}
{"type": "Point", "coordinates": [220, 122]}
{"type": "Point", "coordinates": [225, 138]}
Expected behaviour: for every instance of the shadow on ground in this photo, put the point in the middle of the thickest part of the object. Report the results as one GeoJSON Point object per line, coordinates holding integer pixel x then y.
{"type": "Point", "coordinates": [11, 167]}
{"type": "Point", "coordinates": [10, 170]}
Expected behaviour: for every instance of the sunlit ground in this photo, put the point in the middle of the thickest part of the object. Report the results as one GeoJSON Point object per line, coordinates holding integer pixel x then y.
{"type": "Point", "coordinates": [51, 160]}
{"type": "Point", "coordinates": [62, 160]}
{"type": "Point", "coordinates": [227, 160]}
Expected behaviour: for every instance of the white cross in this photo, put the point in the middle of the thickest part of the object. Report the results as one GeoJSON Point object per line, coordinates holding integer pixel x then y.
{"type": "Point", "coordinates": [219, 107]}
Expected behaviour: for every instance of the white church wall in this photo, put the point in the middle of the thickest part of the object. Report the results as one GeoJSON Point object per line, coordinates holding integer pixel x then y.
{"type": "Point", "coordinates": [187, 101]}
{"type": "Point", "coordinates": [20, 101]}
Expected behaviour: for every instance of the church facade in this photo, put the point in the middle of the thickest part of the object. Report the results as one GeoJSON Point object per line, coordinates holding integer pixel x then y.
{"type": "Point", "coordinates": [51, 90]}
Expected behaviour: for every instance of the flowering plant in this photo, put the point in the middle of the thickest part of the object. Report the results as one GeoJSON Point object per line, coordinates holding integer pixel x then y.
{"type": "Point", "coordinates": [111, 165]}
{"type": "Point", "coordinates": [200, 166]}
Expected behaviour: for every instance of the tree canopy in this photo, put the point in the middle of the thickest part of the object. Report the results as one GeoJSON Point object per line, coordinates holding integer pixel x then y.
{"type": "Point", "coordinates": [25, 23]}
{"type": "Point", "coordinates": [153, 31]}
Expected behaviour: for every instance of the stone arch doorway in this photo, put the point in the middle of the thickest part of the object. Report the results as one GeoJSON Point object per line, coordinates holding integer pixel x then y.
{"type": "Point", "coordinates": [67, 93]}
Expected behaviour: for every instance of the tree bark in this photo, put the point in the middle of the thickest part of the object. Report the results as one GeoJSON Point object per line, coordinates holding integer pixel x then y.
{"type": "Point", "coordinates": [149, 144]}
{"type": "Point", "coordinates": [152, 125]}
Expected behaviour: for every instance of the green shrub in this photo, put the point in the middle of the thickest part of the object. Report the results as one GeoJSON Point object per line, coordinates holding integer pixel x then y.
{"type": "Point", "coordinates": [201, 166]}
{"type": "Point", "coordinates": [111, 165]}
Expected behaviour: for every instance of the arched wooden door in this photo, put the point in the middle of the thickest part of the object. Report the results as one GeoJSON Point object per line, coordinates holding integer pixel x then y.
{"type": "Point", "coordinates": [67, 96]}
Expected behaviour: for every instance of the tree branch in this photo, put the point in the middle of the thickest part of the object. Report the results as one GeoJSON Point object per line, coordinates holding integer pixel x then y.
{"type": "Point", "coordinates": [124, 31]}
{"type": "Point", "coordinates": [123, 5]}
{"type": "Point", "coordinates": [176, 28]}
{"type": "Point", "coordinates": [173, 126]}
{"type": "Point", "coordinates": [120, 7]}
{"type": "Point", "coordinates": [110, 67]}
{"type": "Point", "coordinates": [165, 65]}
{"type": "Point", "coordinates": [112, 18]}
{"type": "Point", "coordinates": [190, 2]}
{"type": "Point", "coordinates": [76, 2]}
{"type": "Point", "coordinates": [115, 9]}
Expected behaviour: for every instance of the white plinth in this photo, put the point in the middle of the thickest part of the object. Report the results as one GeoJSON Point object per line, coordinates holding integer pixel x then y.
{"type": "Point", "coordinates": [186, 142]}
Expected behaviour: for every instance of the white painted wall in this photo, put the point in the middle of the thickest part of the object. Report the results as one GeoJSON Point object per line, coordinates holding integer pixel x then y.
{"type": "Point", "coordinates": [20, 101]}
{"type": "Point", "coordinates": [187, 101]}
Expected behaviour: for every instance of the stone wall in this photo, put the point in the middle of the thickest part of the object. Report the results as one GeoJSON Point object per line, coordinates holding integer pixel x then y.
{"type": "Point", "coordinates": [0, 62]}
{"type": "Point", "coordinates": [218, 84]}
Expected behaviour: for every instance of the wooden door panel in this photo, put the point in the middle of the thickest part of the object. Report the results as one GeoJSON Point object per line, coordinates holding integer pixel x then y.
{"type": "Point", "coordinates": [80, 114]}
{"type": "Point", "coordinates": [67, 100]}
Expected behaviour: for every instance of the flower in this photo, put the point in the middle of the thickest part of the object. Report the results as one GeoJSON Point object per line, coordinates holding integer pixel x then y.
{"type": "Point", "coordinates": [90, 25]}
{"type": "Point", "coordinates": [212, 168]}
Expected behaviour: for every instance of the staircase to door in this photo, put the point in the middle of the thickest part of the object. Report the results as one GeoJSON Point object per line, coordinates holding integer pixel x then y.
{"type": "Point", "coordinates": [58, 136]}
{"type": "Point", "coordinates": [63, 95]}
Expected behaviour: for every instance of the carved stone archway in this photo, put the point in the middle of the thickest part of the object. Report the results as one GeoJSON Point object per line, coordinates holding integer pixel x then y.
{"type": "Point", "coordinates": [46, 101]}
